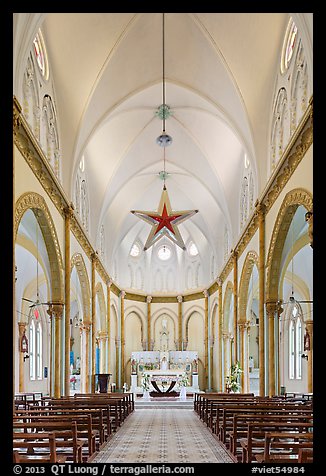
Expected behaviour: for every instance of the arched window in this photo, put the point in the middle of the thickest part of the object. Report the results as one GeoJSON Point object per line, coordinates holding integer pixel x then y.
{"type": "Point", "coordinates": [295, 345]}
{"type": "Point", "coordinates": [32, 340]}
{"type": "Point", "coordinates": [226, 243]}
{"type": "Point", "coordinates": [84, 204]}
{"type": "Point", "coordinates": [39, 356]}
{"type": "Point", "coordinates": [288, 45]}
{"type": "Point", "coordinates": [102, 243]}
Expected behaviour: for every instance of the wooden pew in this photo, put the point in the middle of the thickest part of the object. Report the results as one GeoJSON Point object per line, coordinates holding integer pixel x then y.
{"type": "Point", "coordinates": [31, 441]}
{"type": "Point", "coordinates": [254, 441]}
{"type": "Point", "coordinates": [65, 434]}
{"type": "Point", "coordinates": [284, 447]}
{"type": "Point", "coordinates": [305, 455]}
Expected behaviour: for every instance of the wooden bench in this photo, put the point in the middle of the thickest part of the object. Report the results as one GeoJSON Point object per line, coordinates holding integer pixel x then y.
{"type": "Point", "coordinates": [284, 447]}
{"type": "Point", "coordinates": [254, 441]}
{"type": "Point", "coordinates": [67, 442]}
{"type": "Point", "coordinates": [305, 455]}
{"type": "Point", "coordinates": [30, 441]}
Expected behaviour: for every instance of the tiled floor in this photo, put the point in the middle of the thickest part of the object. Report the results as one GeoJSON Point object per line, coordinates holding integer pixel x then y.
{"type": "Point", "coordinates": [163, 435]}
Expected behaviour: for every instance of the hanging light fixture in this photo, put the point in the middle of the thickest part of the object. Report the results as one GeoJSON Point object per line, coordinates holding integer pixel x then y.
{"type": "Point", "coordinates": [164, 139]}
{"type": "Point", "coordinates": [164, 222]}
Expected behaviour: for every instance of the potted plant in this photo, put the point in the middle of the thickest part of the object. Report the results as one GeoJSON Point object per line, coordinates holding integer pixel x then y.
{"type": "Point", "coordinates": [232, 381]}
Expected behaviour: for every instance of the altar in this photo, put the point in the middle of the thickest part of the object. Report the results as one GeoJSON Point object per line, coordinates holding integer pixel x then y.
{"type": "Point", "coordinates": [164, 370]}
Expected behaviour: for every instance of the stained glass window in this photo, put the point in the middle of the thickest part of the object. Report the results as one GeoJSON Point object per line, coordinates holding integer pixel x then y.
{"type": "Point", "coordinates": [288, 45]}
{"type": "Point", "coordinates": [164, 253]}
{"type": "Point", "coordinates": [40, 55]}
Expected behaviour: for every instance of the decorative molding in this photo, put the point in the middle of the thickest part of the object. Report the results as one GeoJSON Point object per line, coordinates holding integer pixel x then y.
{"type": "Point", "coordinates": [291, 201]}
{"type": "Point", "coordinates": [33, 201]}
{"type": "Point", "coordinates": [77, 260]}
{"type": "Point", "coordinates": [247, 268]}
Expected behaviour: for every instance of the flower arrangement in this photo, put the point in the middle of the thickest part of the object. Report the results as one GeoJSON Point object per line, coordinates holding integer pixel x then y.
{"type": "Point", "coordinates": [232, 381]}
{"type": "Point", "coordinates": [183, 381]}
{"type": "Point", "coordinates": [73, 379]}
{"type": "Point", "coordinates": [145, 382]}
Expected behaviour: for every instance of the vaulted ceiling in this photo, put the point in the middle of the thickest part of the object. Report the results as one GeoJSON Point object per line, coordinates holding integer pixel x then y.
{"type": "Point", "coordinates": [220, 71]}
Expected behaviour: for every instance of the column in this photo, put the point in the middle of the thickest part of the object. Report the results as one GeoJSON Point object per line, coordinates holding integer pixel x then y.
{"type": "Point", "coordinates": [211, 363]}
{"type": "Point", "coordinates": [117, 352]}
{"type": "Point", "coordinates": [270, 310]}
{"type": "Point", "coordinates": [21, 332]}
{"type": "Point", "coordinates": [205, 292]}
{"type": "Point", "coordinates": [108, 316]}
{"type": "Point", "coordinates": [180, 337]}
{"type": "Point", "coordinates": [122, 338]}
{"type": "Point", "coordinates": [309, 351]}
{"type": "Point", "coordinates": [57, 311]}
{"type": "Point", "coordinates": [102, 338]}
{"type": "Point", "coordinates": [261, 314]}
{"type": "Point", "coordinates": [149, 343]}
{"type": "Point", "coordinates": [243, 375]}
{"type": "Point", "coordinates": [84, 368]}
{"type": "Point", "coordinates": [51, 367]}
{"type": "Point", "coordinates": [225, 337]}
{"type": "Point", "coordinates": [235, 307]}
{"type": "Point", "coordinates": [68, 213]}
{"type": "Point", "coordinates": [220, 330]}
{"type": "Point", "coordinates": [93, 296]}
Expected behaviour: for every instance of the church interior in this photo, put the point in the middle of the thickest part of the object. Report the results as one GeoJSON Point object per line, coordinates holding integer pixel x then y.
{"type": "Point", "coordinates": [163, 234]}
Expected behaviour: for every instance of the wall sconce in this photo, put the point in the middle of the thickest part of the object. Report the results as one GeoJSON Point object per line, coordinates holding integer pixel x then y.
{"type": "Point", "coordinates": [26, 356]}
{"type": "Point", "coordinates": [304, 356]}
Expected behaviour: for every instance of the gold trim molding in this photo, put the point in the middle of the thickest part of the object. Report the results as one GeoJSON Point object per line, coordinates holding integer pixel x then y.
{"type": "Point", "coordinates": [291, 202]}
{"type": "Point", "coordinates": [33, 201]}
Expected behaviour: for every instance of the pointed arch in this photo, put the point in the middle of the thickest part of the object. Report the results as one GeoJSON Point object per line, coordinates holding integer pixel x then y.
{"type": "Point", "coordinates": [226, 305]}
{"type": "Point", "coordinates": [101, 301]}
{"type": "Point", "coordinates": [291, 202]}
{"type": "Point", "coordinates": [78, 261]}
{"type": "Point", "coordinates": [35, 202]}
{"type": "Point", "coordinates": [249, 263]}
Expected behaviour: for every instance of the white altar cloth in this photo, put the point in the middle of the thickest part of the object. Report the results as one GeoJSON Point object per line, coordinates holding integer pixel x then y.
{"type": "Point", "coordinates": [163, 373]}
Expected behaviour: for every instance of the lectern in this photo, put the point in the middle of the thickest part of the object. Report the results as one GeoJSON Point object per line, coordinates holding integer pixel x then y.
{"type": "Point", "coordinates": [103, 382]}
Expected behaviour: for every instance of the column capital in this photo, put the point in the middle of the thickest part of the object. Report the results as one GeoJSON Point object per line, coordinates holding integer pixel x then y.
{"type": "Point", "coordinates": [69, 211]}
{"type": "Point", "coordinates": [219, 282]}
{"type": "Point", "coordinates": [260, 208]}
{"type": "Point", "coordinates": [94, 256]}
{"type": "Point", "coordinates": [205, 293]}
{"type": "Point", "coordinates": [22, 327]}
{"type": "Point", "coordinates": [149, 299]}
{"type": "Point", "coordinates": [109, 282]}
{"type": "Point", "coordinates": [272, 307]}
{"type": "Point", "coordinates": [179, 299]}
{"type": "Point", "coordinates": [122, 294]}
{"type": "Point", "coordinates": [55, 310]}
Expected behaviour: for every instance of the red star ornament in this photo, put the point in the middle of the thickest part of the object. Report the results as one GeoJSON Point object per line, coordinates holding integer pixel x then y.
{"type": "Point", "coordinates": [164, 222]}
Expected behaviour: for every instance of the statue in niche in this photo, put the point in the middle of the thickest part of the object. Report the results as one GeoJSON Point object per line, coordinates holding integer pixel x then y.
{"type": "Point", "coordinates": [133, 366]}
{"type": "Point", "coordinates": [164, 364]}
{"type": "Point", "coordinates": [195, 366]}
{"type": "Point", "coordinates": [164, 336]}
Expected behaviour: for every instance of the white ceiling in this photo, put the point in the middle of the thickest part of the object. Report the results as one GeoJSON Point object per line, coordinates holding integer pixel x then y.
{"type": "Point", "coordinates": [220, 71]}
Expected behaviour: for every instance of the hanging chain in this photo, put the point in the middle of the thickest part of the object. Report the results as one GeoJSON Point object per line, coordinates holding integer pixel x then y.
{"type": "Point", "coordinates": [163, 65]}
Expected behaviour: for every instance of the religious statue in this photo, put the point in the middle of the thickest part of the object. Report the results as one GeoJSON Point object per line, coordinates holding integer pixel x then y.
{"type": "Point", "coordinates": [306, 345]}
{"type": "Point", "coordinates": [133, 366]}
{"type": "Point", "coordinates": [195, 366]}
{"type": "Point", "coordinates": [164, 364]}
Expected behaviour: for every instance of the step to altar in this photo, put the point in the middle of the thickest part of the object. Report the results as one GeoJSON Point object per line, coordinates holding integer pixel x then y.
{"type": "Point", "coordinates": [164, 402]}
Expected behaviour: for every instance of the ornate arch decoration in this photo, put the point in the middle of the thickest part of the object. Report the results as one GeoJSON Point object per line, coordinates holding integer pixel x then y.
{"type": "Point", "coordinates": [35, 202]}
{"type": "Point", "coordinates": [249, 263]}
{"type": "Point", "coordinates": [101, 300]}
{"type": "Point", "coordinates": [172, 315]}
{"type": "Point", "coordinates": [291, 202]}
{"type": "Point", "coordinates": [78, 261]}
{"type": "Point", "coordinates": [226, 304]}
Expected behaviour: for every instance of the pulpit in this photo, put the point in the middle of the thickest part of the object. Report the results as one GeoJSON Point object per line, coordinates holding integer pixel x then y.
{"type": "Point", "coordinates": [103, 382]}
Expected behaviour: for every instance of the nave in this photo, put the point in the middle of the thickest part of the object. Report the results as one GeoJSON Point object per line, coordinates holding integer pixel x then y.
{"type": "Point", "coordinates": [163, 435]}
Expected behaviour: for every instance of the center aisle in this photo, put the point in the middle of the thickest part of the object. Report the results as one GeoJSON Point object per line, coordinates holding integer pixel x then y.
{"type": "Point", "coordinates": [163, 435]}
